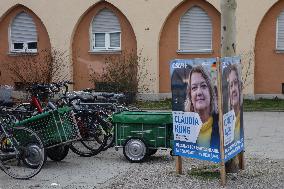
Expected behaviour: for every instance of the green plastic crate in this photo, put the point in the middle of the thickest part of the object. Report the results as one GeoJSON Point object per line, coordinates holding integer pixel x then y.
{"type": "Point", "coordinates": [53, 127]}
{"type": "Point", "coordinates": [155, 128]}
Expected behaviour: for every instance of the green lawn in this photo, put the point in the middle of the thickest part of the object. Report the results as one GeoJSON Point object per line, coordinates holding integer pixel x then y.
{"type": "Point", "coordinates": [264, 105]}
{"type": "Point", "coordinates": [155, 105]}
{"type": "Point", "coordinates": [249, 105]}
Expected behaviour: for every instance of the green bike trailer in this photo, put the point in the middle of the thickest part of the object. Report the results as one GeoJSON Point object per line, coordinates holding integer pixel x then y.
{"type": "Point", "coordinates": [141, 133]}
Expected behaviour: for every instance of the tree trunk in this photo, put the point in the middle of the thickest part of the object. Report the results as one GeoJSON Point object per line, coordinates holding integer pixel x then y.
{"type": "Point", "coordinates": [228, 30]}
{"type": "Point", "coordinates": [228, 48]}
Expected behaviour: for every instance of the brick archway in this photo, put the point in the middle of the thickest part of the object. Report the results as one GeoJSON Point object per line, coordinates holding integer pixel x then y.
{"type": "Point", "coordinates": [269, 64]}
{"type": "Point", "coordinates": [85, 61]}
{"type": "Point", "coordinates": [43, 42]}
{"type": "Point", "coordinates": [168, 44]}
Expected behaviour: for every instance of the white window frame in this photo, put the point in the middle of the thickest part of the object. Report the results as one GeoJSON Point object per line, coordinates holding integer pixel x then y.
{"type": "Point", "coordinates": [25, 48]}
{"type": "Point", "coordinates": [197, 51]}
{"type": "Point", "coordinates": [107, 46]}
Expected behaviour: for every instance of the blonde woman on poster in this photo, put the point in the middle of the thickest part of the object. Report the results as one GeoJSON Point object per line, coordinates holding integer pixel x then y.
{"type": "Point", "coordinates": [200, 99]}
{"type": "Point", "coordinates": [234, 90]}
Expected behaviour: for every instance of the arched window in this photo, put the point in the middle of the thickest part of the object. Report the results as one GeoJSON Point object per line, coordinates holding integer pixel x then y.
{"type": "Point", "coordinates": [195, 31]}
{"type": "Point", "coordinates": [105, 32]}
{"type": "Point", "coordinates": [280, 32]}
{"type": "Point", "coordinates": [23, 34]}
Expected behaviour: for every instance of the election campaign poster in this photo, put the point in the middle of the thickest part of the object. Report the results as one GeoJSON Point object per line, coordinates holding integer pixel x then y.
{"type": "Point", "coordinates": [232, 106]}
{"type": "Point", "coordinates": [195, 111]}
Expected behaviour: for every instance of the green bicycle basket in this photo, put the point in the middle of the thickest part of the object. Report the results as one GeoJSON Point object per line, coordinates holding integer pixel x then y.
{"type": "Point", "coordinates": [54, 127]}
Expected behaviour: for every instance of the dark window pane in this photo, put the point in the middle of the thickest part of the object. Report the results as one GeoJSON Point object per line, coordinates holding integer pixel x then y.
{"type": "Point", "coordinates": [18, 45]}
{"type": "Point", "coordinates": [32, 45]}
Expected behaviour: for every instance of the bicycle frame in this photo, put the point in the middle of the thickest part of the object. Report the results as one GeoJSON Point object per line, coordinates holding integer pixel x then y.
{"type": "Point", "coordinates": [35, 102]}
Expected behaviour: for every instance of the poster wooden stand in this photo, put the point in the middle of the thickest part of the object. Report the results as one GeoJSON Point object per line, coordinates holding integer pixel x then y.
{"type": "Point", "coordinates": [221, 131]}
{"type": "Point", "coordinates": [221, 159]}
{"type": "Point", "coordinates": [178, 165]}
{"type": "Point", "coordinates": [241, 160]}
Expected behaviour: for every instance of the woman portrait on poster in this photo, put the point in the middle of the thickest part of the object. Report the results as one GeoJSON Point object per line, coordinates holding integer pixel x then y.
{"type": "Point", "coordinates": [200, 99]}
{"type": "Point", "coordinates": [234, 93]}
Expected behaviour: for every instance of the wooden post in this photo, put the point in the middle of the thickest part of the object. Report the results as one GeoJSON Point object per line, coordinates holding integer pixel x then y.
{"type": "Point", "coordinates": [241, 160]}
{"type": "Point", "coordinates": [223, 174]}
{"type": "Point", "coordinates": [221, 130]}
{"type": "Point", "coordinates": [178, 165]}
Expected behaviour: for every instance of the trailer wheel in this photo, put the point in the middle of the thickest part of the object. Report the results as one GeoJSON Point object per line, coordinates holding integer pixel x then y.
{"type": "Point", "coordinates": [33, 160]}
{"type": "Point", "coordinates": [58, 153]}
{"type": "Point", "coordinates": [135, 150]}
{"type": "Point", "coordinates": [172, 153]}
{"type": "Point", "coordinates": [151, 151]}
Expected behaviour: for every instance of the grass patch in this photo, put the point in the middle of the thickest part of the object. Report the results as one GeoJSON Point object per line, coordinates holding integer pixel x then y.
{"type": "Point", "coordinates": [208, 172]}
{"type": "Point", "coordinates": [249, 105]}
{"type": "Point", "coordinates": [264, 105]}
{"type": "Point", "coordinates": [155, 105]}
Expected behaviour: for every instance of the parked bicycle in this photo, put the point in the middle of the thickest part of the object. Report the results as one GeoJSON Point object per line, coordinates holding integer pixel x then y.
{"type": "Point", "coordinates": [40, 104]}
{"type": "Point", "coordinates": [93, 130]}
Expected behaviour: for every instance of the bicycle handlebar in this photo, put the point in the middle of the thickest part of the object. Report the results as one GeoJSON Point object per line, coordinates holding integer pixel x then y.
{"type": "Point", "coordinates": [49, 88]}
{"type": "Point", "coordinates": [38, 87]}
{"type": "Point", "coordinates": [65, 85]}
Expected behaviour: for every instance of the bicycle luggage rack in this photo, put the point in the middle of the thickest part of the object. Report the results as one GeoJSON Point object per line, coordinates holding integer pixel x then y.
{"type": "Point", "coordinates": [54, 127]}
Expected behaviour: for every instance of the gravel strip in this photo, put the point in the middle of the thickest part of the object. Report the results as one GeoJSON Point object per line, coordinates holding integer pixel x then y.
{"type": "Point", "coordinates": [159, 172]}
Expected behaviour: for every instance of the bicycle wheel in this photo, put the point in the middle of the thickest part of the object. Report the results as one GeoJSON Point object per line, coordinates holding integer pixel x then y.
{"type": "Point", "coordinates": [110, 140]}
{"type": "Point", "coordinates": [77, 147]}
{"type": "Point", "coordinates": [90, 146]}
{"type": "Point", "coordinates": [93, 137]}
{"type": "Point", "coordinates": [95, 142]}
{"type": "Point", "coordinates": [21, 154]}
{"type": "Point", "coordinates": [97, 137]}
{"type": "Point", "coordinates": [105, 122]}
